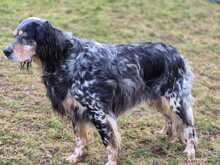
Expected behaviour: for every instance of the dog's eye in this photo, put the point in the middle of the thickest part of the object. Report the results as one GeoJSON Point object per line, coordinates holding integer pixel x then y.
{"type": "Point", "coordinates": [22, 39]}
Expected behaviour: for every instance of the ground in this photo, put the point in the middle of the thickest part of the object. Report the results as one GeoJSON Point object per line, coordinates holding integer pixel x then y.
{"type": "Point", "coordinates": [30, 133]}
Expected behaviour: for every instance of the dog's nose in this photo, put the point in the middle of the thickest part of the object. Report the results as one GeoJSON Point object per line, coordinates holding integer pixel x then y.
{"type": "Point", "coordinates": [7, 51]}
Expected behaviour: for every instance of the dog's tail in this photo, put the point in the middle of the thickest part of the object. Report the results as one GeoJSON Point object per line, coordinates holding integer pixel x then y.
{"type": "Point", "coordinates": [186, 95]}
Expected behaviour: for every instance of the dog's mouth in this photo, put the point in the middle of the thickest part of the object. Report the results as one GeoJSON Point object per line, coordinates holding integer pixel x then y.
{"type": "Point", "coordinates": [26, 65]}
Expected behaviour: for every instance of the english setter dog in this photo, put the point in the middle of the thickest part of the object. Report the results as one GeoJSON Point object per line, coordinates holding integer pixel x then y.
{"type": "Point", "coordinates": [94, 83]}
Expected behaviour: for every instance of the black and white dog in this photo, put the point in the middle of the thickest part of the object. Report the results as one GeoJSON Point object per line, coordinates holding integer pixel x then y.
{"type": "Point", "coordinates": [93, 83]}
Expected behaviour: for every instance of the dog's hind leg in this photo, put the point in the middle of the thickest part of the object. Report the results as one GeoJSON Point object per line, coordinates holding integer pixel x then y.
{"type": "Point", "coordinates": [114, 146]}
{"type": "Point", "coordinates": [81, 137]}
{"type": "Point", "coordinates": [162, 105]}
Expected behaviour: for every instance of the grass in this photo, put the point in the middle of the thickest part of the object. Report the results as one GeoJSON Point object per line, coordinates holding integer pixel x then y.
{"type": "Point", "coordinates": [31, 134]}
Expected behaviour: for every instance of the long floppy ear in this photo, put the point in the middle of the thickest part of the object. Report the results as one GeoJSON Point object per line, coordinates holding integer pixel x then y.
{"type": "Point", "coordinates": [51, 42]}
{"type": "Point", "coordinates": [43, 32]}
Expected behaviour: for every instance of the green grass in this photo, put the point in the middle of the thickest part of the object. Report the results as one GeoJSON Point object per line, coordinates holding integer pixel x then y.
{"type": "Point", "coordinates": [31, 134]}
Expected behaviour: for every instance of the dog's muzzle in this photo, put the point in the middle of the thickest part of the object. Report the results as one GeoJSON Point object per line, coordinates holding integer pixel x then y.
{"type": "Point", "coordinates": [9, 54]}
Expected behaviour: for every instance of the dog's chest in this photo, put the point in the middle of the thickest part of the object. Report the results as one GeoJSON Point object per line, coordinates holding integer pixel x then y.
{"type": "Point", "coordinates": [59, 94]}
{"type": "Point", "coordinates": [57, 88]}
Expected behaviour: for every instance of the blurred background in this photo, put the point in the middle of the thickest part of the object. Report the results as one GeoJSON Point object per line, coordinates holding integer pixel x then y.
{"type": "Point", "coordinates": [30, 133]}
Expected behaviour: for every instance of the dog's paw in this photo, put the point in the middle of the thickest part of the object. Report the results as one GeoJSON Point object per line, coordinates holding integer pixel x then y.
{"type": "Point", "coordinates": [72, 158]}
{"type": "Point", "coordinates": [173, 139]}
{"type": "Point", "coordinates": [111, 163]}
{"type": "Point", "coordinates": [166, 130]}
{"type": "Point", "coordinates": [75, 158]}
{"type": "Point", "coordinates": [161, 132]}
{"type": "Point", "coordinates": [190, 152]}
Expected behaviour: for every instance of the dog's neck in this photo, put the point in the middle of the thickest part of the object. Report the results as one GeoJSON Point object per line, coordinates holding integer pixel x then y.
{"type": "Point", "coordinates": [52, 48]}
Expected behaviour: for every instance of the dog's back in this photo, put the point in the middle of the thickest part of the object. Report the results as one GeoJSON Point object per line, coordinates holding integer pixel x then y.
{"type": "Point", "coordinates": [135, 72]}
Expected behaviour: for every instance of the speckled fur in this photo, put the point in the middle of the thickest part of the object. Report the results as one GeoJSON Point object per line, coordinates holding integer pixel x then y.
{"type": "Point", "coordinates": [108, 79]}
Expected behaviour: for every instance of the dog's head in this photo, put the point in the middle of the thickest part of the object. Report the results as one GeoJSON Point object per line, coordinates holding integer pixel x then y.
{"type": "Point", "coordinates": [23, 48]}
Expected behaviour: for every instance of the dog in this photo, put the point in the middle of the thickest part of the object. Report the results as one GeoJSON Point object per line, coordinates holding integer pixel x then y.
{"type": "Point", "coordinates": [93, 83]}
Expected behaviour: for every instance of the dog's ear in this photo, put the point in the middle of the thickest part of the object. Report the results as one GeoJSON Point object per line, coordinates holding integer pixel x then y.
{"type": "Point", "coordinates": [43, 32]}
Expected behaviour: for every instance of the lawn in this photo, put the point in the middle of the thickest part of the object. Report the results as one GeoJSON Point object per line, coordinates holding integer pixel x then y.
{"type": "Point", "coordinates": [30, 133]}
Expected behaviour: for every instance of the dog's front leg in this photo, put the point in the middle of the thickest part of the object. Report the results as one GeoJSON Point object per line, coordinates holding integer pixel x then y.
{"type": "Point", "coordinates": [107, 128]}
{"type": "Point", "coordinates": [81, 138]}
